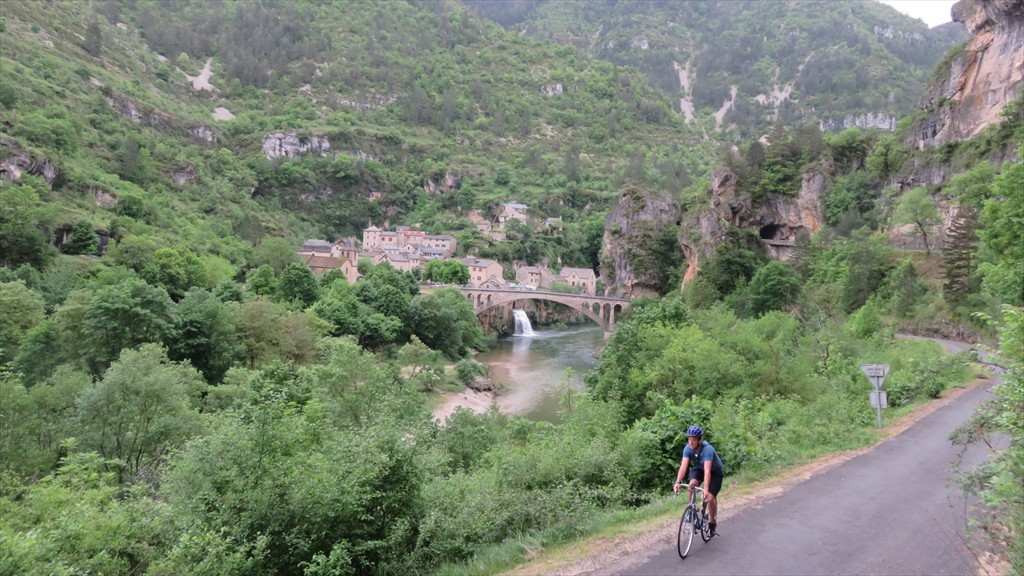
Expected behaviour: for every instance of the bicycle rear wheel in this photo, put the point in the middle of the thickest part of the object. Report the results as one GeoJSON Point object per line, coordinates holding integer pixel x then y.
{"type": "Point", "coordinates": [685, 536]}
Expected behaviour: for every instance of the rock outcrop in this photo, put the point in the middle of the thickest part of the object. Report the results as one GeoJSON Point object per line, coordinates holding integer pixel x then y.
{"type": "Point", "coordinates": [14, 161]}
{"type": "Point", "coordinates": [780, 220]}
{"type": "Point", "coordinates": [141, 114]}
{"type": "Point", "coordinates": [184, 175]}
{"type": "Point", "coordinates": [866, 121]}
{"type": "Point", "coordinates": [290, 145]}
{"type": "Point", "coordinates": [202, 134]}
{"type": "Point", "coordinates": [982, 79]}
{"type": "Point", "coordinates": [631, 232]}
{"type": "Point", "coordinates": [452, 180]}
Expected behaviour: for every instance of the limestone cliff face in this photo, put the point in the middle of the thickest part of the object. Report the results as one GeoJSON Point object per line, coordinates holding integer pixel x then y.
{"type": "Point", "coordinates": [865, 121]}
{"type": "Point", "coordinates": [779, 221]}
{"type": "Point", "coordinates": [290, 145]}
{"type": "Point", "coordinates": [630, 266]}
{"type": "Point", "coordinates": [15, 161]}
{"type": "Point", "coordinates": [981, 80]}
{"type": "Point", "coordinates": [452, 180]}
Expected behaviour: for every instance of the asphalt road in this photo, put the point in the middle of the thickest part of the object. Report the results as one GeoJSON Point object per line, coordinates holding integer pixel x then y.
{"type": "Point", "coordinates": [895, 510]}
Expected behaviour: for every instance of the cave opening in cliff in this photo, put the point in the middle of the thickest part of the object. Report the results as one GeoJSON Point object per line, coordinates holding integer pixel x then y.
{"type": "Point", "coordinates": [774, 232]}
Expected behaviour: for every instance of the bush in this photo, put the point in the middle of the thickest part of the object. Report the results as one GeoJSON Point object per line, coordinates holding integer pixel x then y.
{"type": "Point", "coordinates": [469, 369]}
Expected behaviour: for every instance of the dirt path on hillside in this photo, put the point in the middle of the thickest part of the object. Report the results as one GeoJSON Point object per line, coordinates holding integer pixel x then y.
{"type": "Point", "coordinates": [602, 555]}
{"type": "Point", "coordinates": [202, 81]}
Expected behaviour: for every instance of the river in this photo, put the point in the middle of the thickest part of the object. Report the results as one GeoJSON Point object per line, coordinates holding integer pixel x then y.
{"type": "Point", "coordinates": [532, 369]}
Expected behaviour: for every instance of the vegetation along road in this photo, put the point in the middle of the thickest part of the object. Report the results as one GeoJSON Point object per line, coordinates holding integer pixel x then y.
{"type": "Point", "coordinates": [895, 509]}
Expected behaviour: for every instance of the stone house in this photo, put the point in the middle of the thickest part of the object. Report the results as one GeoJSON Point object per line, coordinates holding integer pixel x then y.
{"type": "Point", "coordinates": [321, 264]}
{"type": "Point", "coordinates": [582, 277]}
{"type": "Point", "coordinates": [322, 256]}
{"type": "Point", "coordinates": [513, 211]}
{"type": "Point", "coordinates": [374, 237]}
{"type": "Point", "coordinates": [480, 270]}
{"type": "Point", "coordinates": [541, 277]}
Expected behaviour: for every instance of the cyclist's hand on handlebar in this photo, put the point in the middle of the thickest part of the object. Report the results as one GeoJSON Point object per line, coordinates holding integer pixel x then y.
{"type": "Point", "coordinates": [675, 488]}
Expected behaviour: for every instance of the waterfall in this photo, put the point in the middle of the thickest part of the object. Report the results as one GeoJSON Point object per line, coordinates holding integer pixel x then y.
{"type": "Point", "coordinates": [523, 326]}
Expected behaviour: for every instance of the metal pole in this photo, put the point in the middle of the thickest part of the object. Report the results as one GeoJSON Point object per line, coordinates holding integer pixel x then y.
{"type": "Point", "coordinates": [878, 392]}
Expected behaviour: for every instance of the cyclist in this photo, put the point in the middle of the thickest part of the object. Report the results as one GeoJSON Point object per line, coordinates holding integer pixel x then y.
{"type": "Point", "coordinates": [707, 470]}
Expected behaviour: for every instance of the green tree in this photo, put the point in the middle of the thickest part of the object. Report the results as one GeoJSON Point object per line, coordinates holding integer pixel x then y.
{"type": "Point", "coordinates": [25, 224]}
{"type": "Point", "coordinates": [83, 239]}
{"type": "Point", "coordinates": [387, 299]}
{"type": "Point", "coordinates": [40, 352]}
{"type": "Point", "coordinates": [76, 519]}
{"type": "Point", "coordinates": [446, 272]}
{"type": "Point", "coordinates": [298, 284]}
{"type": "Point", "coordinates": [852, 192]}
{"type": "Point", "coordinates": [773, 287]}
{"type": "Point", "coordinates": [97, 326]}
{"type": "Point", "coordinates": [144, 406]}
{"type": "Point", "coordinates": [93, 43]}
{"type": "Point", "coordinates": [885, 158]}
{"type": "Point", "coordinates": [999, 480]}
{"type": "Point", "coordinates": [20, 310]}
{"type": "Point", "coordinates": [1002, 237]}
{"type": "Point", "coordinates": [850, 147]}
{"type": "Point", "coordinates": [176, 270]}
{"type": "Point", "coordinates": [294, 492]}
{"type": "Point", "coordinates": [917, 207]}
{"type": "Point", "coordinates": [271, 333]}
{"type": "Point", "coordinates": [444, 320]}
{"type": "Point", "coordinates": [420, 364]}
{"type": "Point", "coordinates": [17, 451]}
{"type": "Point", "coordinates": [958, 264]}
{"type": "Point", "coordinates": [734, 261]}
{"type": "Point", "coordinates": [133, 165]}
{"type": "Point", "coordinates": [262, 281]}
{"type": "Point", "coordinates": [274, 252]}
{"type": "Point", "coordinates": [342, 310]}
{"type": "Point", "coordinates": [133, 252]}
{"type": "Point", "coordinates": [204, 335]}
{"type": "Point", "coordinates": [55, 400]}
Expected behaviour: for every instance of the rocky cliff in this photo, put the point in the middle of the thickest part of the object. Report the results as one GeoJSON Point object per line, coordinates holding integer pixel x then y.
{"type": "Point", "coordinates": [15, 161]}
{"type": "Point", "coordinates": [291, 145]}
{"type": "Point", "coordinates": [634, 247]}
{"type": "Point", "coordinates": [779, 221]}
{"type": "Point", "coordinates": [986, 75]}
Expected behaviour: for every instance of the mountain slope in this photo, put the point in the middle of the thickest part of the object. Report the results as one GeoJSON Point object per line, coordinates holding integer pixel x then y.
{"type": "Point", "coordinates": [745, 64]}
{"type": "Point", "coordinates": [395, 97]}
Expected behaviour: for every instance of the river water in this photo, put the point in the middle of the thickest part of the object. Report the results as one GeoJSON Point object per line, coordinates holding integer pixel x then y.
{"type": "Point", "coordinates": [532, 369]}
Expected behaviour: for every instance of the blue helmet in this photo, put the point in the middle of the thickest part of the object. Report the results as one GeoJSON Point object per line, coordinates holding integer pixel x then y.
{"type": "Point", "coordinates": [695, 431]}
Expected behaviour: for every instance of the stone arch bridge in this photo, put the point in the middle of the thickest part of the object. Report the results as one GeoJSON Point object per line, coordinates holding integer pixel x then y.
{"type": "Point", "coordinates": [603, 310]}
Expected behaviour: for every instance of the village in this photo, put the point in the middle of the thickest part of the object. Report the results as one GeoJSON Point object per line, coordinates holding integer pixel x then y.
{"type": "Point", "coordinates": [408, 249]}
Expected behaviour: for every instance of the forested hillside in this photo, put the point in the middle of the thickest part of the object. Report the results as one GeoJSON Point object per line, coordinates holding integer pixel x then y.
{"type": "Point", "coordinates": [406, 95]}
{"type": "Point", "coordinates": [180, 394]}
{"type": "Point", "coordinates": [738, 66]}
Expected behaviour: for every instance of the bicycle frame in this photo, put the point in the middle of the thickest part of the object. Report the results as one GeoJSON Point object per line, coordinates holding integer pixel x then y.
{"type": "Point", "coordinates": [695, 519]}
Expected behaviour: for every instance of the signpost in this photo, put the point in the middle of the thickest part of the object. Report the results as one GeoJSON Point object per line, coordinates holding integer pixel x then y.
{"type": "Point", "coordinates": [876, 375]}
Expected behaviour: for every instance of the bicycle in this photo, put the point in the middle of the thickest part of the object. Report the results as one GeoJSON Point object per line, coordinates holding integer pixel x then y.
{"type": "Point", "coordinates": [694, 519]}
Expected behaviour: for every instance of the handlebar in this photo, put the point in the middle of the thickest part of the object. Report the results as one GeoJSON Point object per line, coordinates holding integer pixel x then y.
{"type": "Point", "coordinates": [697, 488]}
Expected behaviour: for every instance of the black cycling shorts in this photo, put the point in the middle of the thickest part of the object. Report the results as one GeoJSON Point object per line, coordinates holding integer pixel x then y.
{"type": "Point", "coordinates": [714, 486]}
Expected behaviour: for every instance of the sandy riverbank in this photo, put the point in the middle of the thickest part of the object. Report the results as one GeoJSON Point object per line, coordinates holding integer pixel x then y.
{"type": "Point", "coordinates": [478, 402]}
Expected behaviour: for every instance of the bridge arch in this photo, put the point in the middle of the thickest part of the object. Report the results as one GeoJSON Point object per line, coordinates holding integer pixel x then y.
{"type": "Point", "coordinates": [604, 311]}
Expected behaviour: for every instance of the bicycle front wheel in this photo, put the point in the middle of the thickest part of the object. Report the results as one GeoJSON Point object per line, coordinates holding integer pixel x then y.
{"type": "Point", "coordinates": [685, 537]}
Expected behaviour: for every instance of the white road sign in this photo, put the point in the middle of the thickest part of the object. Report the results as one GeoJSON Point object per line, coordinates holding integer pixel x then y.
{"type": "Point", "coordinates": [879, 399]}
{"type": "Point", "coordinates": [875, 370]}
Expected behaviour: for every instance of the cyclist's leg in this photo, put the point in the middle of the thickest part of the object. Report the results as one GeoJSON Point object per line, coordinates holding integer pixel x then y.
{"type": "Point", "coordinates": [714, 486]}
{"type": "Point", "coordinates": [696, 476]}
